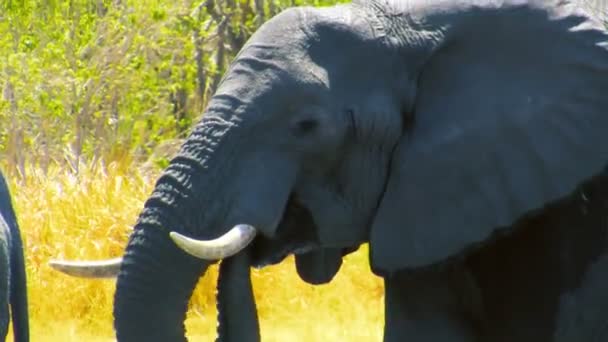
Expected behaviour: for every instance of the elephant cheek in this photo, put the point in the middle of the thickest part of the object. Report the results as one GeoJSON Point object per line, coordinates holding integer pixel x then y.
{"type": "Point", "coordinates": [320, 266]}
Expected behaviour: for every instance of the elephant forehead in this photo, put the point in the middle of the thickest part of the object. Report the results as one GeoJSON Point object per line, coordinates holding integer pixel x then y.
{"type": "Point", "coordinates": [288, 62]}
{"type": "Point", "coordinates": [263, 75]}
{"type": "Point", "coordinates": [270, 90]}
{"type": "Point", "coordinates": [282, 27]}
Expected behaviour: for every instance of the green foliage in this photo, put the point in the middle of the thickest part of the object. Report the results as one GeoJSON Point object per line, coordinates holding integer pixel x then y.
{"type": "Point", "coordinates": [89, 80]}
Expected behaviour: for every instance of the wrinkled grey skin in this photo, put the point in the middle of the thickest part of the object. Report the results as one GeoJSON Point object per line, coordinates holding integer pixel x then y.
{"type": "Point", "coordinates": [421, 127]}
{"type": "Point", "coordinates": [13, 290]}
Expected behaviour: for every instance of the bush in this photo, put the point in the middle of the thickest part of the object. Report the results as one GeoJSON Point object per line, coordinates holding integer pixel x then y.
{"type": "Point", "coordinates": [90, 80]}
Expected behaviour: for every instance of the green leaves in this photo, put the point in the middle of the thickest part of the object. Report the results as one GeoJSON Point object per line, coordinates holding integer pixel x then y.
{"type": "Point", "coordinates": [80, 79]}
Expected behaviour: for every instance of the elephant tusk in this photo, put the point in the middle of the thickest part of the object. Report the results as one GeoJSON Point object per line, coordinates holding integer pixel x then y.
{"type": "Point", "coordinates": [89, 269]}
{"type": "Point", "coordinates": [225, 246]}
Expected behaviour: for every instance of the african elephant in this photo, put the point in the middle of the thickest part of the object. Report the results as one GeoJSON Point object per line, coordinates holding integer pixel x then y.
{"type": "Point", "coordinates": [13, 282]}
{"type": "Point", "coordinates": [424, 128]}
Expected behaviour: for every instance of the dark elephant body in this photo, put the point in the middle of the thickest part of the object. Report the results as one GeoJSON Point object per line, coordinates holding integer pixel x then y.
{"type": "Point", "coordinates": [13, 289]}
{"type": "Point", "coordinates": [425, 128]}
{"type": "Point", "coordinates": [544, 281]}
{"type": "Point", "coordinates": [547, 280]}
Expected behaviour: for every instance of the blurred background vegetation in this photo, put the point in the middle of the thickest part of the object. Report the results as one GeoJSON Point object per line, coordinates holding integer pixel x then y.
{"type": "Point", "coordinates": [98, 81]}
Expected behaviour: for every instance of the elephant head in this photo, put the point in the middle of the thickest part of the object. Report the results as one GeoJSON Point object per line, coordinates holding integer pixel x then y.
{"type": "Point", "coordinates": [421, 128]}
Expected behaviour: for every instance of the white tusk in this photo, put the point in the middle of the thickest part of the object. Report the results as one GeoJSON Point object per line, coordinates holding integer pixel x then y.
{"type": "Point", "coordinates": [89, 269]}
{"type": "Point", "coordinates": [225, 246]}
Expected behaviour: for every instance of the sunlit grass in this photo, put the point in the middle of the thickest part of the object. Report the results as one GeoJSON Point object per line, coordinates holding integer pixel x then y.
{"type": "Point", "coordinates": [89, 216]}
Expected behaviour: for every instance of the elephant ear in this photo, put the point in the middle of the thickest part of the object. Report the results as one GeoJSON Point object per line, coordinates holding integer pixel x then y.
{"type": "Point", "coordinates": [511, 114]}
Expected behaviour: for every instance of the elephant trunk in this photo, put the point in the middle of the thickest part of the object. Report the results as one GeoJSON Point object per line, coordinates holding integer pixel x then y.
{"type": "Point", "coordinates": [237, 313]}
{"type": "Point", "coordinates": [156, 278]}
{"type": "Point", "coordinates": [152, 293]}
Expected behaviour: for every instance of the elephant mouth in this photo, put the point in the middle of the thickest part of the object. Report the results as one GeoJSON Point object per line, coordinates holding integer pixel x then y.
{"type": "Point", "coordinates": [296, 234]}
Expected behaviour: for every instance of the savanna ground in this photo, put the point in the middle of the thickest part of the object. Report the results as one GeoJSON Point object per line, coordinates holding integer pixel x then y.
{"type": "Point", "coordinates": [94, 97]}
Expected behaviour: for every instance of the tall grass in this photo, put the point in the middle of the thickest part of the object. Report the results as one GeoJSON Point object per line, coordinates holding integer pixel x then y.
{"type": "Point", "coordinates": [89, 216]}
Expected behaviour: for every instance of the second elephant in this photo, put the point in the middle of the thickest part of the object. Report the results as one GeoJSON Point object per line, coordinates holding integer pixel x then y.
{"type": "Point", "coordinates": [13, 280]}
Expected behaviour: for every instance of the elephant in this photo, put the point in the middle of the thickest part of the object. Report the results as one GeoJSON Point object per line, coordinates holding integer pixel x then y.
{"type": "Point", "coordinates": [430, 130]}
{"type": "Point", "coordinates": [13, 280]}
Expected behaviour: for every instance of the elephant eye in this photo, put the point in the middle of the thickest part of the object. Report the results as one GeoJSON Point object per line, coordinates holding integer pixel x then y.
{"type": "Point", "coordinates": [306, 126]}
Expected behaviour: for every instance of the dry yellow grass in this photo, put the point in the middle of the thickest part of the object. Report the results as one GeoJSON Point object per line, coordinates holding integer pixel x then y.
{"type": "Point", "coordinates": [90, 217]}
